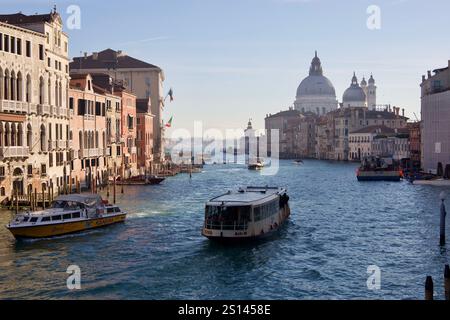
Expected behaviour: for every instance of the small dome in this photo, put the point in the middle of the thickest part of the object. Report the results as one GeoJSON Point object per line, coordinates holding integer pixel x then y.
{"type": "Point", "coordinates": [363, 82]}
{"type": "Point", "coordinates": [371, 80]}
{"type": "Point", "coordinates": [354, 93]}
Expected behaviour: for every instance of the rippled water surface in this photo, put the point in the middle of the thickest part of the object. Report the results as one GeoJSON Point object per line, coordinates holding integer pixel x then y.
{"type": "Point", "coordinates": [337, 229]}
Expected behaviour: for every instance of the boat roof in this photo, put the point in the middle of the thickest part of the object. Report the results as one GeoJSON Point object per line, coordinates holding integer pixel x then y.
{"type": "Point", "coordinates": [247, 196]}
{"type": "Point", "coordinates": [87, 199]}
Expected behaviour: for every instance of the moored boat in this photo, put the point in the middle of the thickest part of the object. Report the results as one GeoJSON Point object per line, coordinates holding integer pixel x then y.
{"type": "Point", "coordinates": [141, 180]}
{"type": "Point", "coordinates": [68, 214]}
{"type": "Point", "coordinates": [378, 169]}
{"type": "Point", "coordinates": [245, 214]}
{"type": "Point", "coordinates": [256, 165]}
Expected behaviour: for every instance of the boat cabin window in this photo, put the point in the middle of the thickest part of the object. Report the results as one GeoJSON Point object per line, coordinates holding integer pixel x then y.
{"type": "Point", "coordinates": [33, 220]}
{"type": "Point", "coordinates": [75, 215]}
{"type": "Point", "coordinates": [25, 219]}
{"type": "Point", "coordinates": [265, 211]}
{"type": "Point", "coordinates": [117, 209]}
{"type": "Point", "coordinates": [227, 218]}
{"type": "Point", "coordinates": [67, 216]}
{"type": "Point", "coordinates": [56, 218]}
{"type": "Point", "coordinates": [67, 205]}
{"type": "Point", "coordinates": [110, 210]}
{"type": "Point", "coordinates": [45, 219]}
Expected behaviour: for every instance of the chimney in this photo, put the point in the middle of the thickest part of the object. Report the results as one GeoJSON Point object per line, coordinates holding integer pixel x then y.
{"type": "Point", "coordinates": [95, 55]}
{"type": "Point", "coordinates": [403, 112]}
{"type": "Point", "coordinates": [85, 55]}
{"type": "Point", "coordinates": [429, 74]}
{"type": "Point", "coordinates": [423, 76]}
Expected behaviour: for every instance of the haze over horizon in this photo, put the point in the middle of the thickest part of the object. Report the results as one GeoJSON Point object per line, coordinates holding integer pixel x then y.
{"type": "Point", "coordinates": [229, 61]}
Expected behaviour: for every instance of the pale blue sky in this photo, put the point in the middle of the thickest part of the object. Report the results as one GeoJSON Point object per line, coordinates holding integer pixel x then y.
{"type": "Point", "coordinates": [230, 60]}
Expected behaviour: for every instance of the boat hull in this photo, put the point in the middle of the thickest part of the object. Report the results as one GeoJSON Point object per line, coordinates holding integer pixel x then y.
{"type": "Point", "coordinates": [379, 176]}
{"type": "Point", "coordinates": [239, 236]}
{"type": "Point", "coordinates": [53, 230]}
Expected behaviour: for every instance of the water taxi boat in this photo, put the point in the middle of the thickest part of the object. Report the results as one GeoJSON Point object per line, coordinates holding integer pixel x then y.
{"type": "Point", "coordinates": [245, 214]}
{"type": "Point", "coordinates": [378, 169]}
{"type": "Point", "coordinates": [68, 214]}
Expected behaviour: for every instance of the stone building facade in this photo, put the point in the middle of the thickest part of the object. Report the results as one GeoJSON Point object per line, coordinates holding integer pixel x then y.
{"type": "Point", "coordinates": [34, 115]}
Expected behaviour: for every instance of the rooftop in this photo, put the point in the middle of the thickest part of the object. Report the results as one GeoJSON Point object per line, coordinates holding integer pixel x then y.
{"type": "Point", "coordinates": [109, 59]}
{"type": "Point", "coordinates": [247, 195]}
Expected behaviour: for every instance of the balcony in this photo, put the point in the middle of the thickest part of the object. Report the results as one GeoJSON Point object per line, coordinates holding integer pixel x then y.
{"type": "Point", "coordinates": [13, 106]}
{"type": "Point", "coordinates": [61, 144]}
{"type": "Point", "coordinates": [43, 109]}
{"type": "Point", "coordinates": [107, 152]}
{"type": "Point", "coordinates": [90, 153]}
{"type": "Point", "coordinates": [14, 152]}
{"type": "Point", "coordinates": [52, 145]}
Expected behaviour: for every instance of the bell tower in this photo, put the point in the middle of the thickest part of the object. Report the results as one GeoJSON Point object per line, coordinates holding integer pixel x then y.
{"type": "Point", "coordinates": [371, 94]}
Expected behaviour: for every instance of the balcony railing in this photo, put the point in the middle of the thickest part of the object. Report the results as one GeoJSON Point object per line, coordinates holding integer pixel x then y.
{"type": "Point", "coordinates": [13, 106]}
{"type": "Point", "coordinates": [91, 153]}
{"type": "Point", "coordinates": [14, 152]}
{"type": "Point", "coordinates": [43, 109]}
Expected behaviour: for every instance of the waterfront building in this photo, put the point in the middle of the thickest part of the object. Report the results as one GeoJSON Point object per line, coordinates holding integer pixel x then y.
{"type": "Point", "coordinates": [324, 133]}
{"type": "Point", "coordinates": [140, 78]}
{"type": "Point", "coordinates": [351, 119]}
{"type": "Point", "coordinates": [360, 141]}
{"type": "Point", "coordinates": [435, 108]}
{"type": "Point", "coordinates": [395, 146]}
{"type": "Point", "coordinates": [128, 131]}
{"type": "Point", "coordinates": [144, 135]}
{"type": "Point", "coordinates": [296, 133]}
{"type": "Point", "coordinates": [34, 116]}
{"type": "Point", "coordinates": [415, 144]}
{"type": "Point", "coordinates": [316, 93]}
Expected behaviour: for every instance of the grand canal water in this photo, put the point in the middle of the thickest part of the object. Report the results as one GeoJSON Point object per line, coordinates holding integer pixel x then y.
{"type": "Point", "coordinates": [338, 228]}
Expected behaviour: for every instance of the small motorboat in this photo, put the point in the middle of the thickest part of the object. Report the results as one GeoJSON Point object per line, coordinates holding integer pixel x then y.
{"type": "Point", "coordinates": [68, 214]}
{"type": "Point", "coordinates": [256, 165]}
{"type": "Point", "coordinates": [298, 161]}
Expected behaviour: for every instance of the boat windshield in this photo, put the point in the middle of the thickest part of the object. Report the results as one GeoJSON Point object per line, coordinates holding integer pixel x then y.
{"type": "Point", "coordinates": [227, 218]}
{"type": "Point", "coordinates": [67, 205]}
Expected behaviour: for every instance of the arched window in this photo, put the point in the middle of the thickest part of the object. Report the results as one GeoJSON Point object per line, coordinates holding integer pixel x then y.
{"type": "Point", "coordinates": [19, 87]}
{"type": "Point", "coordinates": [49, 91]}
{"type": "Point", "coordinates": [28, 89]}
{"type": "Point", "coordinates": [1, 84]}
{"type": "Point", "coordinates": [86, 142]}
{"type": "Point", "coordinates": [56, 94]}
{"type": "Point", "coordinates": [103, 140]}
{"type": "Point", "coordinates": [12, 87]}
{"type": "Point", "coordinates": [2, 191]}
{"type": "Point", "coordinates": [20, 135]}
{"type": "Point", "coordinates": [7, 135]}
{"type": "Point", "coordinates": [6, 85]}
{"type": "Point", "coordinates": [60, 94]}
{"type": "Point", "coordinates": [96, 139]}
{"type": "Point", "coordinates": [41, 90]}
{"type": "Point", "coordinates": [29, 137]}
{"type": "Point", "coordinates": [43, 138]}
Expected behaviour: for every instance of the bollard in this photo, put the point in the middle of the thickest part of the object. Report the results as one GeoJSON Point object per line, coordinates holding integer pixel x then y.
{"type": "Point", "coordinates": [447, 282]}
{"type": "Point", "coordinates": [35, 199]}
{"type": "Point", "coordinates": [429, 288]}
{"type": "Point", "coordinates": [442, 223]}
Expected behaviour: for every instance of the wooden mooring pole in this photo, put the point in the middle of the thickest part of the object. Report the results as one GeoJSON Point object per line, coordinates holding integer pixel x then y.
{"type": "Point", "coordinates": [447, 282]}
{"type": "Point", "coordinates": [429, 288]}
{"type": "Point", "coordinates": [442, 223]}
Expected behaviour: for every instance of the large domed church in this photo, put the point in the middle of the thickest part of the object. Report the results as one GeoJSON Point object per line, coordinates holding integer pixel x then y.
{"type": "Point", "coordinates": [316, 93]}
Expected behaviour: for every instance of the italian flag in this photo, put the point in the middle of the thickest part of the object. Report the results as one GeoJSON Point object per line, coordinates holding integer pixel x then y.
{"type": "Point", "coordinates": [169, 124]}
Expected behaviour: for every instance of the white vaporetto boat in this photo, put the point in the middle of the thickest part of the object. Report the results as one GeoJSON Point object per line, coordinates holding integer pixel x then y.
{"type": "Point", "coordinates": [248, 213]}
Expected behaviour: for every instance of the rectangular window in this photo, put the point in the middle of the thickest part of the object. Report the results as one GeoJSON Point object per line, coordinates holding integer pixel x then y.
{"type": "Point", "coordinates": [43, 169]}
{"type": "Point", "coordinates": [98, 111]}
{"type": "Point", "coordinates": [28, 48]}
{"type": "Point", "coordinates": [19, 46]}
{"type": "Point", "coordinates": [13, 45]}
{"type": "Point", "coordinates": [2, 171]}
{"type": "Point", "coordinates": [71, 103]}
{"type": "Point", "coordinates": [1, 41]}
{"type": "Point", "coordinates": [41, 52]}
{"type": "Point", "coordinates": [49, 62]}
{"type": "Point", "coordinates": [6, 42]}
{"type": "Point", "coordinates": [30, 170]}
{"type": "Point", "coordinates": [81, 107]}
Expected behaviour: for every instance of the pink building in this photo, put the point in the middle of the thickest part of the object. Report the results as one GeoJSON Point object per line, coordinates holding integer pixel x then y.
{"type": "Point", "coordinates": [87, 131]}
{"type": "Point", "coordinates": [144, 137]}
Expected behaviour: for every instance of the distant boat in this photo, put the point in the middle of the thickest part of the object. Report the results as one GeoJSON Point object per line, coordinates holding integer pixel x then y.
{"type": "Point", "coordinates": [257, 165]}
{"type": "Point", "coordinates": [378, 169]}
{"type": "Point", "coordinates": [298, 161]}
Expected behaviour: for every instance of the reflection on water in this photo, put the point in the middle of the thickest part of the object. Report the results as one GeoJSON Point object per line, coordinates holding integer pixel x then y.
{"type": "Point", "coordinates": [338, 227]}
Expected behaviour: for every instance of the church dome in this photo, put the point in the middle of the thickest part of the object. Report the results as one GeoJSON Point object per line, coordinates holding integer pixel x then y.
{"type": "Point", "coordinates": [354, 93]}
{"type": "Point", "coordinates": [316, 84]}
